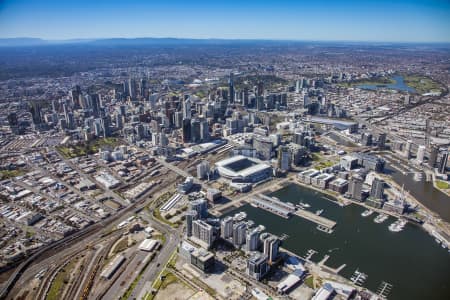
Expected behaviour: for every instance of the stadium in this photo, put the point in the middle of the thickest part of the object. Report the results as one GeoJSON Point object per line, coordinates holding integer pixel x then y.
{"type": "Point", "coordinates": [244, 169]}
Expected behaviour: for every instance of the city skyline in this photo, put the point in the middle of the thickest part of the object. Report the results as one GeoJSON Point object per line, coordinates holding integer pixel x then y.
{"type": "Point", "coordinates": [381, 21]}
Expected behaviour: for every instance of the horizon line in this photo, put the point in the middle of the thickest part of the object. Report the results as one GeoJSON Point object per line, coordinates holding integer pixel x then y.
{"type": "Point", "coordinates": [80, 39]}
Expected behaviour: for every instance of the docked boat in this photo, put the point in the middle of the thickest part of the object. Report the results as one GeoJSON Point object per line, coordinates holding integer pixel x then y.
{"type": "Point", "coordinates": [319, 212]}
{"type": "Point", "coordinates": [302, 205]}
{"type": "Point", "coordinates": [397, 226]}
{"type": "Point", "coordinates": [380, 218]}
{"type": "Point", "coordinates": [367, 213]}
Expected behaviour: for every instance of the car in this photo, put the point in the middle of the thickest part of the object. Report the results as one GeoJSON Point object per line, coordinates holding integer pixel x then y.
{"type": "Point", "coordinates": [158, 264]}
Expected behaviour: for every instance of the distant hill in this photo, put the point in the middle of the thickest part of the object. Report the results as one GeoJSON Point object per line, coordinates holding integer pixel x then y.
{"type": "Point", "coordinates": [167, 41]}
{"type": "Point", "coordinates": [22, 42]}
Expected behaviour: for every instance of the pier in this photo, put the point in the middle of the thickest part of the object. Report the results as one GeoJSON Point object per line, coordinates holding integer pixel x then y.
{"type": "Point", "coordinates": [273, 205]}
{"type": "Point", "coordinates": [315, 218]}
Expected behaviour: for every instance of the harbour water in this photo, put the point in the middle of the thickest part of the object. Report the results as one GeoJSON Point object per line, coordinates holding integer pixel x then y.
{"type": "Point", "coordinates": [399, 85]}
{"type": "Point", "coordinates": [424, 192]}
{"type": "Point", "coordinates": [410, 260]}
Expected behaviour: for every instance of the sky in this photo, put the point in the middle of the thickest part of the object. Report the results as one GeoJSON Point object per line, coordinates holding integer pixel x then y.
{"type": "Point", "coordinates": [316, 20]}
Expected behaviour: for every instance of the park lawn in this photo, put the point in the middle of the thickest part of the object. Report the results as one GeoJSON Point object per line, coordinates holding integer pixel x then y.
{"type": "Point", "coordinates": [88, 148]}
{"type": "Point", "coordinates": [422, 84]}
{"type": "Point", "coordinates": [442, 184]}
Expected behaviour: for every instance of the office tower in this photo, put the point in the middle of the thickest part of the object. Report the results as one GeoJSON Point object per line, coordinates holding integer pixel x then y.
{"type": "Point", "coordinates": [298, 86]}
{"type": "Point", "coordinates": [284, 158]}
{"type": "Point", "coordinates": [381, 143]}
{"type": "Point", "coordinates": [96, 105]}
{"type": "Point", "coordinates": [86, 102]}
{"type": "Point", "coordinates": [203, 170]}
{"type": "Point", "coordinates": [259, 90]}
{"type": "Point", "coordinates": [123, 110]}
{"type": "Point", "coordinates": [203, 231]}
{"type": "Point", "coordinates": [70, 119]}
{"type": "Point", "coordinates": [433, 156]}
{"type": "Point", "coordinates": [186, 130]}
{"type": "Point", "coordinates": [443, 163]}
{"type": "Point", "coordinates": [298, 138]}
{"type": "Point", "coordinates": [263, 146]}
{"type": "Point", "coordinates": [119, 120]}
{"type": "Point", "coordinates": [260, 105]}
{"type": "Point", "coordinates": [377, 189]}
{"type": "Point", "coordinates": [407, 99]}
{"type": "Point", "coordinates": [12, 119]}
{"type": "Point", "coordinates": [97, 127]}
{"type": "Point", "coordinates": [355, 189]}
{"type": "Point", "coordinates": [257, 266]}
{"type": "Point", "coordinates": [226, 227]}
{"type": "Point", "coordinates": [76, 96]}
{"type": "Point", "coordinates": [271, 248]}
{"type": "Point", "coordinates": [187, 108]}
{"type": "Point", "coordinates": [201, 207]}
{"type": "Point", "coordinates": [245, 100]}
{"type": "Point", "coordinates": [145, 89]}
{"type": "Point", "coordinates": [252, 240]}
{"type": "Point", "coordinates": [191, 215]}
{"type": "Point", "coordinates": [195, 131]}
{"type": "Point", "coordinates": [239, 234]}
{"type": "Point", "coordinates": [420, 153]}
{"type": "Point", "coordinates": [178, 119]}
{"type": "Point", "coordinates": [408, 149]}
{"type": "Point", "coordinates": [163, 139]}
{"type": "Point", "coordinates": [204, 130]}
{"type": "Point", "coordinates": [366, 139]}
{"type": "Point", "coordinates": [35, 110]}
{"type": "Point", "coordinates": [306, 101]}
{"type": "Point", "coordinates": [231, 88]}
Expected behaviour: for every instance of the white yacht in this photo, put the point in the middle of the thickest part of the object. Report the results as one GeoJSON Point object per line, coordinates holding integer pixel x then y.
{"type": "Point", "coordinates": [367, 213]}
{"type": "Point", "coordinates": [380, 218]}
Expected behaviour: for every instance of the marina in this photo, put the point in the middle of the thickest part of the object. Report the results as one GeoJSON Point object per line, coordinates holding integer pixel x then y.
{"type": "Point", "coordinates": [359, 243]}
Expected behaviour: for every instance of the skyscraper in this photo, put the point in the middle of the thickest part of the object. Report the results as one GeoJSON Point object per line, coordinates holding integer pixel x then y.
{"type": "Point", "coordinates": [95, 105]}
{"type": "Point", "coordinates": [187, 107]}
{"type": "Point", "coordinates": [284, 158]}
{"type": "Point", "coordinates": [239, 234]}
{"type": "Point", "coordinates": [257, 266]}
{"type": "Point", "coordinates": [381, 143]}
{"type": "Point", "coordinates": [420, 153]}
{"type": "Point", "coordinates": [201, 207]}
{"type": "Point", "coordinates": [355, 189]}
{"type": "Point", "coordinates": [226, 227]}
{"type": "Point", "coordinates": [377, 189]}
{"type": "Point", "coordinates": [35, 110]}
{"type": "Point", "coordinates": [252, 240]}
{"type": "Point", "coordinates": [191, 215]}
{"type": "Point", "coordinates": [271, 247]}
{"type": "Point", "coordinates": [432, 159]}
{"type": "Point", "coordinates": [443, 162]}
{"type": "Point", "coordinates": [186, 130]}
{"type": "Point", "coordinates": [231, 88]}
{"type": "Point", "coordinates": [203, 232]}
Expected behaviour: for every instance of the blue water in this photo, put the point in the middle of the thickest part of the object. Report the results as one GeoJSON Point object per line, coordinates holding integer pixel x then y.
{"type": "Point", "coordinates": [416, 266]}
{"type": "Point", "coordinates": [399, 85]}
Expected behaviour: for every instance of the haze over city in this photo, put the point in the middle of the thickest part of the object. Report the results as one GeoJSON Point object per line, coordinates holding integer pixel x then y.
{"type": "Point", "coordinates": [228, 150]}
